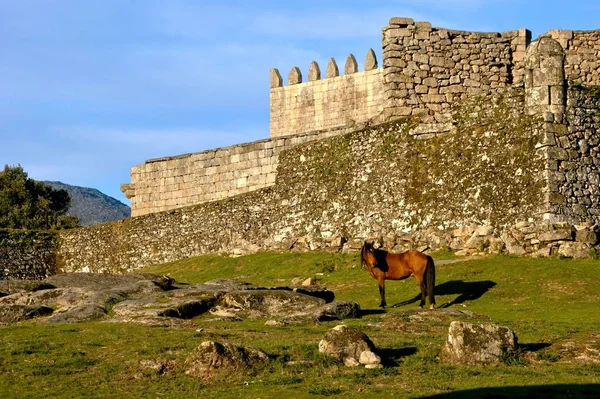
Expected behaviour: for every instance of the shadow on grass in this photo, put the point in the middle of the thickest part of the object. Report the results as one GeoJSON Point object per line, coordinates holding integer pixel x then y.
{"type": "Point", "coordinates": [534, 347]}
{"type": "Point", "coordinates": [390, 357]}
{"type": "Point", "coordinates": [466, 291]}
{"type": "Point", "coordinates": [367, 312]}
{"type": "Point", "coordinates": [534, 391]}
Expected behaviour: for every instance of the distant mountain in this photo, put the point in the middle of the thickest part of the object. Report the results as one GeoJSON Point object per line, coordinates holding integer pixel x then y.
{"type": "Point", "coordinates": [90, 205]}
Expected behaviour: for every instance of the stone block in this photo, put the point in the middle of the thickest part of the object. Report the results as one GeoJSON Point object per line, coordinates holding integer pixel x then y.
{"type": "Point", "coordinates": [401, 21]}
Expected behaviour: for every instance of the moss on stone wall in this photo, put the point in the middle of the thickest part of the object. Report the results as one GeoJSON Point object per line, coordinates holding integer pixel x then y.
{"type": "Point", "coordinates": [487, 172]}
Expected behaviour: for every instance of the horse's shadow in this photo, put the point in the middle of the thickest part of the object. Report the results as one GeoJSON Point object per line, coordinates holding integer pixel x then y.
{"type": "Point", "coordinates": [466, 291]}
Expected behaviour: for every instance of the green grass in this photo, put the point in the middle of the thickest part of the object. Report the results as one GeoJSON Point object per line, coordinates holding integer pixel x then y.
{"type": "Point", "coordinates": [552, 304]}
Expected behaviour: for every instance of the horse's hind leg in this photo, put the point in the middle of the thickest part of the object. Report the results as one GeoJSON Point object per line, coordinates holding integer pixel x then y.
{"type": "Point", "coordinates": [421, 283]}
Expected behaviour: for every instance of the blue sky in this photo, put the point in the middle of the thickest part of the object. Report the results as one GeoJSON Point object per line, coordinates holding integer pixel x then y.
{"type": "Point", "coordinates": [89, 89]}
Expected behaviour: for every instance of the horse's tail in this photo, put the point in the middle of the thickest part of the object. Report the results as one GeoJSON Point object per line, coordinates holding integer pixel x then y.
{"type": "Point", "coordinates": [430, 280]}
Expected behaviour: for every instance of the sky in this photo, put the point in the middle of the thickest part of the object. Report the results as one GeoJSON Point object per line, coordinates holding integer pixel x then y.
{"type": "Point", "coordinates": [89, 89]}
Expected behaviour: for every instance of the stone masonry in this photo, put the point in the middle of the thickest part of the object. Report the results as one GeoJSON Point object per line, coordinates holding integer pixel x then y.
{"type": "Point", "coordinates": [173, 182]}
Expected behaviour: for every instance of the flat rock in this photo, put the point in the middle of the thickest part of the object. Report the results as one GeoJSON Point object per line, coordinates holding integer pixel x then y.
{"type": "Point", "coordinates": [268, 303]}
{"type": "Point", "coordinates": [106, 281]}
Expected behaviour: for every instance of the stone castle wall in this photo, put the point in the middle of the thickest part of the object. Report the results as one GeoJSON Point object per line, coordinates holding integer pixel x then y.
{"type": "Point", "coordinates": [426, 69]}
{"type": "Point", "coordinates": [477, 190]}
{"type": "Point", "coordinates": [582, 50]}
{"type": "Point", "coordinates": [333, 102]}
{"type": "Point", "coordinates": [27, 254]}
{"type": "Point", "coordinates": [362, 184]}
{"type": "Point", "coordinates": [173, 182]}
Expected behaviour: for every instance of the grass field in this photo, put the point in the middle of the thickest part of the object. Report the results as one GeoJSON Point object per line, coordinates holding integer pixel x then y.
{"type": "Point", "coordinates": [552, 305]}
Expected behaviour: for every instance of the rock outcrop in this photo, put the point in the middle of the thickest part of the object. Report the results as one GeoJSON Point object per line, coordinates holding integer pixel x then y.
{"type": "Point", "coordinates": [160, 300]}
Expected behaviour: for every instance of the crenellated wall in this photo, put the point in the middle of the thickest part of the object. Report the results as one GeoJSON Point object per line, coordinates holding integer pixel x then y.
{"type": "Point", "coordinates": [333, 102]}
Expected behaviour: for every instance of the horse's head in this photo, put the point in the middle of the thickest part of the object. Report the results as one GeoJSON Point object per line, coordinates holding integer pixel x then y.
{"type": "Point", "coordinates": [367, 255]}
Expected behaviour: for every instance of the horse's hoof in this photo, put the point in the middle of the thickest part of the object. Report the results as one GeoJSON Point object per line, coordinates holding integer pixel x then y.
{"type": "Point", "coordinates": [432, 307]}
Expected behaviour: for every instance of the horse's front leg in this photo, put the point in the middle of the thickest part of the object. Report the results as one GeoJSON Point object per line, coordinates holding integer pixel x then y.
{"type": "Point", "coordinates": [381, 281]}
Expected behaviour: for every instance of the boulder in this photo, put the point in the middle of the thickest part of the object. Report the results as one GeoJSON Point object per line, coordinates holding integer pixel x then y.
{"type": "Point", "coordinates": [577, 250]}
{"type": "Point", "coordinates": [342, 342]}
{"type": "Point", "coordinates": [211, 357]}
{"type": "Point", "coordinates": [512, 246]}
{"type": "Point", "coordinates": [478, 343]}
{"type": "Point", "coordinates": [587, 236]}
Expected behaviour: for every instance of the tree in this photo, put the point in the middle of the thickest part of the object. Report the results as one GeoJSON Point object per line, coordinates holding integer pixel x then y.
{"type": "Point", "coordinates": [28, 204]}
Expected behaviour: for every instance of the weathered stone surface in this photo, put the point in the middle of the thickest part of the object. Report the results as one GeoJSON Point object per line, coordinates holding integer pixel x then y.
{"type": "Point", "coordinates": [332, 69]}
{"type": "Point", "coordinates": [8, 287]}
{"type": "Point", "coordinates": [338, 310]}
{"type": "Point", "coordinates": [213, 357]}
{"type": "Point", "coordinates": [369, 357]}
{"type": "Point", "coordinates": [342, 342]}
{"type": "Point", "coordinates": [577, 250]}
{"type": "Point", "coordinates": [586, 236]}
{"type": "Point", "coordinates": [370, 60]}
{"type": "Point", "coordinates": [27, 254]}
{"type": "Point", "coordinates": [314, 72]}
{"type": "Point", "coordinates": [268, 303]}
{"type": "Point", "coordinates": [351, 66]}
{"type": "Point", "coordinates": [14, 313]}
{"type": "Point", "coordinates": [478, 343]}
{"type": "Point", "coordinates": [275, 81]}
{"type": "Point", "coordinates": [513, 247]}
{"type": "Point", "coordinates": [295, 76]}
{"type": "Point", "coordinates": [401, 21]}
{"type": "Point", "coordinates": [557, 235]}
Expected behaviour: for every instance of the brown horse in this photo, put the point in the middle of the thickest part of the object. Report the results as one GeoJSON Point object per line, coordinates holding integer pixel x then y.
{"type": "Point", "coordinates": [384, 265]}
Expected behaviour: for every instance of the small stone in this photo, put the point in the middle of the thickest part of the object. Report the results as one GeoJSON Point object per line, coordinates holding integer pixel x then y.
{"type": "Point", "coordinates": [369, 357]}
{"type": "Point", "coordinates": [351, 362]}
{"type": "Point", "coordinates": [308, 281]}
{"type": "Point", "coordinates": [401, 21]}
{"type": "Point", "coordinates": [373, 366]}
